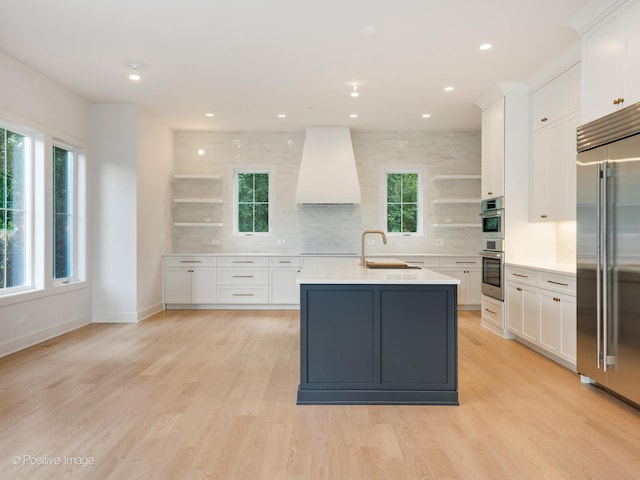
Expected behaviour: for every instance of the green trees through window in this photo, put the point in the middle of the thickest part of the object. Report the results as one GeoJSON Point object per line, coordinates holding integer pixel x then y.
{"type": "Point", "coordinates": [253, 202]}
{"type": "Point", "coordinates": [402, 202]}
{"type": "Point", "coordinates": [13, 209]}
{"type": "Point", "coordinates": [63, 208]}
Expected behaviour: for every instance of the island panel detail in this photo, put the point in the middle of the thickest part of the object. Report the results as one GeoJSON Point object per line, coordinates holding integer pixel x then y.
{"type": "Point", "coordinates": [378, 344]}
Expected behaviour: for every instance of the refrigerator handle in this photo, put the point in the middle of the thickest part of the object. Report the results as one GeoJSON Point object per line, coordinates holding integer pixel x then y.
{"type": "Point", "coordinates": [599, 264]}
{"type": "Point", "coordinates": [604, 311]}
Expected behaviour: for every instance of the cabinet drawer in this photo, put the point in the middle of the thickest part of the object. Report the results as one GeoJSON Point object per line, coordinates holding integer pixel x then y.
{"type": "Point", "coordinates": [492, 312]}
{"type": "Point", "coordinates": [522, 275]}
{"type": "Point", "coordinates": [424, 262]}
{"type": "Point", "coordinates": [243, 276]}
{"type": "Point", "coordinates": [558, 283]}
{"type": "Point", "coordinates": [243, 294]}
{"type": "Point", "coordinates": [190, 261]}
{"type": "Point", "coordinates": [460, 262]}
{"type": "Point", "coordinates": [284, 261]}
{"type": "Point", "coordinates": [243, 261]}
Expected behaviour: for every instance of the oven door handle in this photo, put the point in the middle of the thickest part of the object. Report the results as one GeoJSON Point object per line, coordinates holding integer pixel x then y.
{"type": "Point", "coordinates": [496, 255]}
{"type": "Point", "coordinates": [493, 213]}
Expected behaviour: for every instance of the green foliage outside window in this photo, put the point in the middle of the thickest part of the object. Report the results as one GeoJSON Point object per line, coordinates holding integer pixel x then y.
{"type": "Point", "coordinates": [402, 202]}
{"type": "Point", "coordinates": [13, 215]}
{"type": "Point", "coordinates": [63, 170]}
{"type": "Point", "coordinates": [253, 202]}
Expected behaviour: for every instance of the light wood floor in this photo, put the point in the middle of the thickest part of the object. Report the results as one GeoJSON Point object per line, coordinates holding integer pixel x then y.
{"type": "Point", "coordinates": [211, 394]}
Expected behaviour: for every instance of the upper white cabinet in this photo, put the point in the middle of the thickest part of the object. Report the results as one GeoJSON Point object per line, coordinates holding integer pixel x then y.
{"type": "Point", "coordinates": [555, 115]}
{"type": "Point", "coordinates": [493, 128]}
{"type": "Point", "coordinates": [611, 61]}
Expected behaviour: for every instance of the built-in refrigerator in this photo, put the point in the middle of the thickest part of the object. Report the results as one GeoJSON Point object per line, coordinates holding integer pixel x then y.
{"type": "Point", "coordinates": [608, 252]}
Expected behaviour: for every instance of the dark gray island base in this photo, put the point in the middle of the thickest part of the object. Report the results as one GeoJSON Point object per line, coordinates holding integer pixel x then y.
{"type": "Point", "coordinates": [391, 344]}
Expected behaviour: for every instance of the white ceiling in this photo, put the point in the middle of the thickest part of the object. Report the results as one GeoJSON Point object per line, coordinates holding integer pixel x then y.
{"type": "Point", "coordinates": [249, 60]}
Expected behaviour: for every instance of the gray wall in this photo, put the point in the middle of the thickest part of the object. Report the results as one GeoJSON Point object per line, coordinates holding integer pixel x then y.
{"type": "Point", "coordinates": [327, 228]}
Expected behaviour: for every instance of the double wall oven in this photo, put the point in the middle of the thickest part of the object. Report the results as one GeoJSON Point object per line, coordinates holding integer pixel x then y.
{"type": "Point", "coordinates": [492, 215]}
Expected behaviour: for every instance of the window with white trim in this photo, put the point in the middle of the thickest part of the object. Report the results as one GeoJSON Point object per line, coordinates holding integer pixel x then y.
{"type": "Point", "coordinates": [252, 205]}
{"type": "Point", "coordinates": [16, 239]}
{"type": "Point", "coordinates": [64, 213]}
{"type": "Point", "coordinates": [403, 202]}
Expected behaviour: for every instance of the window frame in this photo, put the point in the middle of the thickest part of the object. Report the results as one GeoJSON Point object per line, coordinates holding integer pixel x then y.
{"type": "Point", "coordinates": [74, 214]}
{"type": "Point", "coordinates": [419, 204]}
{"type": "Point", "coordinates": [236, 203]}
{"type": "Point", "coordinates": [29, 209]}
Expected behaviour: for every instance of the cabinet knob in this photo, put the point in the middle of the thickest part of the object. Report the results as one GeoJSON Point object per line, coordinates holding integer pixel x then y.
{"type": "Point", "coordinates": [489, 193]}
{"type": "Point", "coordinates": [618, 101]}
{"type": "Point", "coordinates": [544, 119]}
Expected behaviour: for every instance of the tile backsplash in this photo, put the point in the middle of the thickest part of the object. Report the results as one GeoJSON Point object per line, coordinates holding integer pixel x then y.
{"type": "Point", "coordinates": [327, 228]}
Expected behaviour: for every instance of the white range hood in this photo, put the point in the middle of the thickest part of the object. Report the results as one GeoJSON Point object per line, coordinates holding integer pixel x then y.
{"type": "Point", "coordinates": [328, 172]}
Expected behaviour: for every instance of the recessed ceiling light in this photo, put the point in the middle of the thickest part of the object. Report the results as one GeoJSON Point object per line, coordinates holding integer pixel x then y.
{"type": "Point", "coordinates": [134, 75]}
{"type": "Point", "coordinates": [209, 115]}
{"type": "Point", "coordinates": [282, 115]}
{"type": "Point", "coordinates": [426, 115]}
{"type": "Point", "coordinates": [354, 115]}
{"type": "Point", "coordinates": [354, 92]}
{"type": "Point", "coordinates": [485, 46]}
{"type": "Point", "coordinates": [200, 151]}
{"type": "Point", "coordinates": [448, 89]}
{"type": "Point", "coordinates": [368, 29]}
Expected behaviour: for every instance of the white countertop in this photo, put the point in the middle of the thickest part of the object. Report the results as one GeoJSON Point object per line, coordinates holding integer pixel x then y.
{"type": "Point", "coordinates": [319, 254]}
{"type": "Point", "coordinates": [352, 273]}
{"type": "Point", "coordinates": [550, 267]}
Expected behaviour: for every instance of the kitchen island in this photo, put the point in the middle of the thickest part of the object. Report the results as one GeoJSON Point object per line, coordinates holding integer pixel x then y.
{"type": "Point", "coordinates": [377, 336]}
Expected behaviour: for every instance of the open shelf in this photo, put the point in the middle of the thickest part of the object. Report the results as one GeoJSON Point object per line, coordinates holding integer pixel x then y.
{"type": "Point", "coordinates": [456, 177]}
{"type": "Point", "coordinates": [195, 176]}
{"type": "Point", "coordinates": [197, 224]}
{"type": "Point", "coordinates": [197, 200]}
{"type": "Point", "coordinates": [443, 201]}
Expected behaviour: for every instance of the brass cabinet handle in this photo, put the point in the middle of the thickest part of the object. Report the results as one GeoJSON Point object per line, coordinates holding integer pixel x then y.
{"type": "Point", "coordinates": [544, 119]}
{"type": "Point", "coordinates": [487, 310]}
{"type": "Point", "coordinates": [543, 216]}
{"type": "Point", "coordinates": [519, 289]}
{"type": "Point", "coordinates": [489, 193]}
{"type": "Point", "coordinates": [558, 283]}
{"type": "Point", "coordinates": [521, 276]}
{"type": "Point", "coordinates": [618, 101]}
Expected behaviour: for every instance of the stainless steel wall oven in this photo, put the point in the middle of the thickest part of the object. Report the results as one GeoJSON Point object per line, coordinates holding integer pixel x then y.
{"type": "Point", "coordinates": [492, 215]}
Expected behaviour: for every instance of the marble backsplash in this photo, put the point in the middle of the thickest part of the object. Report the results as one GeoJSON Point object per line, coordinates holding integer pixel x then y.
{"type": "Point", "coordinates": [327, 228]}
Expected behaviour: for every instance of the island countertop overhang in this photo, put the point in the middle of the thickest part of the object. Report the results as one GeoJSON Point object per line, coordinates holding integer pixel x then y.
{"type": "Point", "coordinates": [353, 273]}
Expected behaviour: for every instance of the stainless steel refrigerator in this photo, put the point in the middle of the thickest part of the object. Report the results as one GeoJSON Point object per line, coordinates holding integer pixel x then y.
{"type": "Point", "coordinates": [608, 252]}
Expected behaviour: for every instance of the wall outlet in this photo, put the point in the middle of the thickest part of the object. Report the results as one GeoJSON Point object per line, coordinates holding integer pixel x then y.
{"type": "Point", "coordinates": [206, 219]}
{"type": "Point", "coordinates": [439, 242]}
{"type": "Point", "coordinates": [282, 241]}
{"type": "Point", "coordinates": [215, 241]}
{"type": "Point", "coordinates": [371, 242]}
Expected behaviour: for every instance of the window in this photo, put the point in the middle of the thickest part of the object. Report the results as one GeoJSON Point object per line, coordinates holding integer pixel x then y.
{"type": "Point", "coordinates": [252, 213]}
{"type": "Point", "coordinates": [15, 222]}
{"type": "Point", "coordinates": [63, 213]}
{"type": "Point", "coordinates": [403, 206]}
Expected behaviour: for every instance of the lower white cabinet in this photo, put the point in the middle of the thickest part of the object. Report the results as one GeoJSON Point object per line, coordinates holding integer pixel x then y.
{"type": "Point", "coordinates": [492, 314]}
{"type": "Point", "coordinates": [190, 281]}
{"type": "Point", "coordinates": [541, 309]}
{"type": "Point", "coordinates": [283, 288]}
{"type": "Point", "coordinates": [243, 280]}
{"type": "Point", "coordinates": [469, 271]}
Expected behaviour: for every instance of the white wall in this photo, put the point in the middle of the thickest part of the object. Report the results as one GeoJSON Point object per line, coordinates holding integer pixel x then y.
{"type": "Point", "coordinates": [113, 191]}
{"type": "Point", "coordinates": [31, 99]}
{"type": "Point", "coordinates": [154, 199]}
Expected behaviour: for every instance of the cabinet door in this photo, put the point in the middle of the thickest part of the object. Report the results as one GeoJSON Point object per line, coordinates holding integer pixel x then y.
{"type": "Point", "coordinates": [568, 329]}
{"type": "Point", "coordinates": [632, 57]}
{"type": "Point", "coordinates": [203, 285]}
{"type": "Point", "coordinates": [550, 321]}
{"type": "Point", "coordinates": [177, 285]}
{"type": "Point", "coordinates": [514, 308]}
{"type": "Point", "coordinates": [539, 156]}
{"type": "Point", "coordinates": [474, 287]}
{"type": "Point", "coordinates": [560, 164]}
{"type": "Point", "coordinates": [603, 66]}
{"type": "Point", "coordinates": [531, 315]}
{"type": "Point", "coordinates": [493, 150]}
{"type": "Point", "coordinates": [284, 288]}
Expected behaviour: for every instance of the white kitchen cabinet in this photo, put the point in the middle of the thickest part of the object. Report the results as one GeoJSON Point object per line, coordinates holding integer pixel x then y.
{"type": "Point", "coordinates": [243, 280]}
{"type": "Point", "coordinates": [492, 314]}
{"type": "Point", "coordinates": [493, 128]}
{"type": "Point", "coordinates": [611, 62]}
{"type": "Point", "coordinates": [541, 309]}
{"type": "Point", "coordinates": [283, 288]}
{"type": "Point", "coordinates": [469, 271]}
{"type": "Point", "coordinates": [553, 171]}
{"type": "Point", "coordinates": [190, 280]}
{"type": "Point", "coordinates": [556, 99]}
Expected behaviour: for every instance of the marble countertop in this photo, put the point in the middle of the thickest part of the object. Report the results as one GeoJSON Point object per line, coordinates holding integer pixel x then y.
{"type": "Point", "coordinates": [549, 267]}
{"type": "Point", "coordinates": [352, 273]}
{"type": "Point", "coordinates": [321, 254]}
